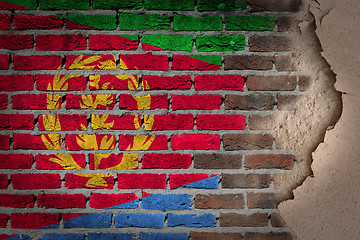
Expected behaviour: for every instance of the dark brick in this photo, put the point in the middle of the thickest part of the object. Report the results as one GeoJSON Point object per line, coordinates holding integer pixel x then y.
{"type": "Point", "coordinates": [243, 220]}
{"type": "Point", "coordinates": [217, 161]}
{"type": "Point", "coordinates": [215, 236]}
{"type": "Point", "coordinates": [262, 200]}
{"type": "Point", "coordinates": [249, 62]}
{"type": "Point", "coordinates": [249, 102]}
{"type": "Point", "coordinates": [271, 83]}
{"type": "Point", "coordinates": [287, 24]}
{"type": "Point", "coordinates": [285, 63]}
{"type": "Point", "coordinates": [276, 220]}
{"type": "Point", "coordinates": [304, 83]}
{"type": "Point", "coordinates": [269, 43]}
{"type": "Point", "coordinates": [275, 5]}
{"type": "Point", "coordinates": [246, 181]}
{"type": "Point", "coordinates": [268, 236]}
{"type": "Point", "coordinates": [259, 122]}
{"type": "Point", "coordinates": [287, 102]}
{"type": "Point", "coordinates": [247, 141]}
{"type": "Point", "coordinates": [269, 161]}
{"type": "Point", "coordinates": [218, 201]}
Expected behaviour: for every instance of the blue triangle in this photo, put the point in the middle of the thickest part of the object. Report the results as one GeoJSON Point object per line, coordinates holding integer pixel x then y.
{"type": "Point", "coordinates": [131, 204]}
{"type": "Point", "coordinates": [207, 183]}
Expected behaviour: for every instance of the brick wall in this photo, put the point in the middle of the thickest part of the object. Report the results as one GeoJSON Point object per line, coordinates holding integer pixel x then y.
{"type": "Point", "coordinates": [144, 119]}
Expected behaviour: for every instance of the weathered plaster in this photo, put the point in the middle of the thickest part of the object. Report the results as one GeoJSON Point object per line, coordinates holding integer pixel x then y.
{"type": "Point", "coordinates": [325, 206]}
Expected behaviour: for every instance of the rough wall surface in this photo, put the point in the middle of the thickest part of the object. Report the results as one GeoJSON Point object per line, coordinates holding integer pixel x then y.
{"type": "Point", "coordinates": [156, 119]}
{"type": "Point", "coordinates": [326, 205]}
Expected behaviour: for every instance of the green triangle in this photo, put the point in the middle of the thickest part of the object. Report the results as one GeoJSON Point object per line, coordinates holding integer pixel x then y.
{"type": "Point", "coordinates": [214, 59]}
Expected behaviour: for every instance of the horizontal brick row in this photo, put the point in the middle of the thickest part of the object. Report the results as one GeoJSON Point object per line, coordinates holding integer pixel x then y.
{"type": "Point", "coordinates": [179, 62]}
{"type": "Point", "coordinates": [176, 5]}
{"type": "Point", "coordinates": [144, 181]}
{"type": "Point", "coordinates": [154, 236]}
{"type": "Point", "coordinates": [149, 161]}
{"type": "Point", "coordinates": [203, 43]}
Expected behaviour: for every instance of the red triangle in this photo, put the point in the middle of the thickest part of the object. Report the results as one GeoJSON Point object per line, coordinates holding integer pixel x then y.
{"type": "Point", "coordinates": [145, 194]}
{"type": "Point", "coordinates": [73, 25]}
{"type": "Point", "coordinates": [68, 216]}
{"type": "Point", "coordinates": [148, 47]}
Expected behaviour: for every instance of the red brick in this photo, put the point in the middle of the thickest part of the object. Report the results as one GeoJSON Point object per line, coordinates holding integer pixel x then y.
{"type": "Point", "coordinates": [141, 181]}
{"type": "Point", "coordinates": [61, 42]}
{"type": "Point", "coordinates": [219, 201]}
{"type": "Point", "coordinates": [217, 161]}
{"type": "Point", "coordinates": [111, 42]}
{"type": "Point", "coordinates": [215, 236]}
{"type": "Point", "coordinates": [268, 236]}
{"type": "Point", "coordinates": [80, 142]}
{"type": "Point", "coordinates": [277, 221]}
{"type": "Point", "coordinates": [4, 182]}
{"type": "Point", "coordinates": [166, 161]}
{"type": "Point", "coordinates": [60, 161]}
{"type": "Point", "coordinates": [248, 62]}
{"type": "Point", "coordinates": [262, 200]}
{"type": "Point", "coordinates": [169, 122]}
{"type": "Point", "coordinates": [43, 62]}
{"type": "Point", "coordinates": [33, 220]}
{"type": "Point", "coordinates": [195, 142]}
{"type": "Point", "coordinates": [16, 161]}
{"type": "Point", "coordinates": [124, 122]}
{"type": "Point", "coordinates": [61, 201]}
{"type": "Point", "coordinates": [4, 218]}
{"type": "Point", "coordinates": [271, 83]}
{"type": "Point", "coordinates": [91, 181]}
{"type": "Point", "coordinates": [247, 141]}
{"type": "Point", "coordinates": [100, 101]}
{"type": "Point", "coordinates": [16, 42]}
{"type": "Point", "coordinates": [269, 161]}
{"type": "Point", "coordinates": [274, 5]}
{"type": "Point", "coordinates": [147, 102]}
{"type": "Point", "coordinates": [143, 142]}
{"type": "Point", "coordinates": [17, 201]}
{"type": "Point", "coordinates": [261, 122]}
{"type": "Point", "coordinates": [62, 122]}
{"type": "Point", "coordinates": [4, 61]}
{"type": "Point", "coordinates": [243, 220]}
{"type": "Point", "coordinates": [24, 22]}
{"type": "Point", "coordinates": [16, 122]}
{"type": "Point", "coordinates": [36, 181]}
{"type": "Point", "coordinates": [11, 83]}
{"type": "Point", "coordinates": [4, 142]}
{"type": "Point", "coordinates": [220, 122]}
{"type": "Point", "coordinates": [151, 82]}
{"type": "Point", "coordinates": [219, 82]}
{"type": "Point", "coordinates": [37, 142]}
{"type": "Point", "coordinates": [5, 21]}
{"type": "Point", "coordinates": [246, 181]}
{"type": "Point", "coordinates": [101, 201]}
{"type": "Point", "coordinates": [144, 62]}
{"type": "Point", "coordinates": [114, 82]}
{"type": "Point", "coordinates": [36, 102]}
{"type": "Point", "coordinates": [196, 102]}
{"type": "Point", "coordinates": [105, 62]}
{"type": "Point", "coordinates": [181, 62]}
{"type": "Point", "coordinates": [60, 82]}
{"type": "Point", "coordinates": [3, 101]}
{"type": "Point", "coordinates": [259, 102]}
{"type": "Point", "coordinates": [269, 43]}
